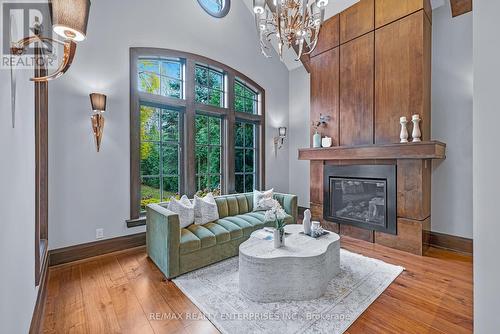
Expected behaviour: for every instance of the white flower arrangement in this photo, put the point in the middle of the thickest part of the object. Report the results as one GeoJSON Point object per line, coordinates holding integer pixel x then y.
{"type": "Point", "coordinates": [276, 214]}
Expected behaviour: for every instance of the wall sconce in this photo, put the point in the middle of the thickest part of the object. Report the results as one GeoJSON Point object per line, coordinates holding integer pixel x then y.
{"type": "Point", "coordinates": [280, 139]}
{"type": "Point", "coordinates": [98, 102]}
{"type": "Point", "coordinates": [69, 20]}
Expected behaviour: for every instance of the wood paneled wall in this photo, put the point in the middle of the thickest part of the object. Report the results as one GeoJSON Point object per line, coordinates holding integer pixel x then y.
{"type": "Point", "coordinates": [372, 65]}
{"type": "Point", "coordinates": [356, 91]}
{"type": "Point", "coordinates": [402, 84]}
{"type": "Point", "coordinates": [325, 87]}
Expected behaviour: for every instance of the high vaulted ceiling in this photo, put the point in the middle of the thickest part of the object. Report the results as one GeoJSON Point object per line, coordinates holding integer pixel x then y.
{"type": "Point", "coordinates": [333, 8]}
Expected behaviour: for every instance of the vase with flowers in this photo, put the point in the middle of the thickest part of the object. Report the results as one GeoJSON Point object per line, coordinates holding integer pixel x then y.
{"type": "Point", "coordinates": [323, 120]}
{"type": "Point", "coordinates": [277, 215]}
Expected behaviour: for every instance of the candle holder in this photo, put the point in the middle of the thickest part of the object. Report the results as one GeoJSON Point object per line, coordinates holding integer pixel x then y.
{"type": "Point", "coordinates": [404, 131]}
{"type": "Point", "coordinates": [416, 134]}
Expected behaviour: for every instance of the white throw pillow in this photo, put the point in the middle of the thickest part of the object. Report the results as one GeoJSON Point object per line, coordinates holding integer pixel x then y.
{"type": "Point", "coordinates": [184, 208]}
{"type": "Point", "coordinates": [261, 200]}
{"type": "Point", "coordinates": [205, 209]}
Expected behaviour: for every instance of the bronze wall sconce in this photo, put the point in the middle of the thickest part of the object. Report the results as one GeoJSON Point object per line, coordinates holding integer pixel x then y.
{"type": "Point", "coordinates": [98, 102]}
{"type": "Point", "coordinates": [69, 21]}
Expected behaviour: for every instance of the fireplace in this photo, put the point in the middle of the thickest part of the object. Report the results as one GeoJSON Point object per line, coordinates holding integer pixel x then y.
{"type": "Point", "coordinates": [361, 195]}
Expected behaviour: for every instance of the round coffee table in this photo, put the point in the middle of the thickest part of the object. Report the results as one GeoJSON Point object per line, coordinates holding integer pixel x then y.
{"type": "Point", "coordinates": [301, 270]}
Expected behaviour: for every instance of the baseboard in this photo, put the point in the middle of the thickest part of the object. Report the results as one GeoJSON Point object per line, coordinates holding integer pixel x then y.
{"type": "Point", "coordinates": [95, 248]}
{"type": "Point", "coordinates": [451, 242]}
{"type": "Point", "coordinates": [436, 239]}
{"type": "Point", "coordinates": [36, 325]}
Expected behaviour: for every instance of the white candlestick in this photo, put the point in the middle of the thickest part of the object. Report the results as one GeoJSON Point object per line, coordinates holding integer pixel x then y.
{"type": "Point", "coordinates": [416, 134]}
{"type": "Point", "coordinates": [404, 132]}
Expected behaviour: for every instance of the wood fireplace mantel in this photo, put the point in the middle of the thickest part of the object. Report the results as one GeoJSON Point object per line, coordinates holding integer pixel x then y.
{"type": "Point", "coordinates": [420, 150]}
{"type": "Point", "coordinates": [413, 188]}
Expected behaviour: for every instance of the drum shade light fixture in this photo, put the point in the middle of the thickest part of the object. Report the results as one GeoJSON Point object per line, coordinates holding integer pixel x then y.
{"type": "Point", "coordinates": [69, 20]}
{"type": "Point", "coordinates": [98, 102]}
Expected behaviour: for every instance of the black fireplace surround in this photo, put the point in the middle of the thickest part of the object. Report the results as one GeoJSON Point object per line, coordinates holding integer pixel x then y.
{"type": "Point", "coordinates": [361, 195]}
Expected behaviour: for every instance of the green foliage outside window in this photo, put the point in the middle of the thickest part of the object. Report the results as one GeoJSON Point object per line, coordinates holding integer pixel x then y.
{"type": "Point", "coordinates": [245, 99]}
{"type": "Point", "coordinates": [159, 154]}
{"type": "Point", "coordinates": [208, 153]}
{"type": "Point", "coordinates": [161, 77]}
{"type": "Point", "coordinates": [209, 86]}
{"type": "Point", "coordinates": [245, 157]}
{"type": "Point", "coordinates": [160, 131]}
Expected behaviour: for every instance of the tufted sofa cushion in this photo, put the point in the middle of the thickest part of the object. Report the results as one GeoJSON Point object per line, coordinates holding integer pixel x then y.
{"type": "Point", "coordinates": [233, 205]}
{"type": "Point", "coordinates": [196, 237]}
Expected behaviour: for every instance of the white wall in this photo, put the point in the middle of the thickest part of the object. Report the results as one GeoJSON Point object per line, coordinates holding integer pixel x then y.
{"type": "Point", "coordinates": [452, 121]}
{"type": "Point", "coordinates": [90, 190]}
{"type": "Point", "coordinates": [486, 167]}
{"type": "Point", "coordinates": [17, 206]}
{"type": "Point", "coordinates": [299, 133]}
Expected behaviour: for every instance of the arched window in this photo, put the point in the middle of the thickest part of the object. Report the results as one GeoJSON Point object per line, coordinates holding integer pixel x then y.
{"type": "Point", "coordinates": [216, 8]}
{"type": "Point", "coordinates": [195, 125]}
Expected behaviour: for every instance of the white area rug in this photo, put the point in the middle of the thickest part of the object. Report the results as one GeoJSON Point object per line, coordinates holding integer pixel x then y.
{"type": "Point", "coordinates": [214, 290]}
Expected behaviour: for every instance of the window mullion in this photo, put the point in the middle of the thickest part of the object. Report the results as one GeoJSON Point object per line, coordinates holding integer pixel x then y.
{"type": "Point", "coordinates": [229, 142]}
{"type": "Point", "coordinates": [190, 131]}
{"type": "Point", "coordinates": [160, 114]}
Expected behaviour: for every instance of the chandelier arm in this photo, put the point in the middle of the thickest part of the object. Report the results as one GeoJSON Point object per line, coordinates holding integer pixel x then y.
{"type": "Point", "coordinates": [314, 42]}
{"type": "Point", "coordinates": [301, 50]}
{"type": "Point", "coordinates": [304, 11]}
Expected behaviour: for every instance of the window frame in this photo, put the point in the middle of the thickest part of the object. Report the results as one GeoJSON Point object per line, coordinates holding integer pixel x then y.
{"type": "Point", "coordinates": [220, 14]}
{"type": "Point", "coordinates": [190, 108]}
{"type": "Point", "coordinates": [181, 80]}
{"type": "Point", "coordinates": [160, 143]}
{"type": "Point", "coordinates": [256, 148]}
{"type": "Point", "coordinates": [255, 101]}
{"type": "Point", "coordinates": [209, 146]}
{"type": "Point", "coordinates": [223, 90]}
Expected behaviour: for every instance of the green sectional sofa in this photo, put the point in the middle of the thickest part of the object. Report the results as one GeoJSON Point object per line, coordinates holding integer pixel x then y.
{"type": "Point", "coordinates": [177, 251]}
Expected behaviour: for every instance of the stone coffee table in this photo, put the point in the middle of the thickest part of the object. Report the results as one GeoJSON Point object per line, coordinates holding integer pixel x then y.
{"type": "Point", "coordinates": [301, 270]}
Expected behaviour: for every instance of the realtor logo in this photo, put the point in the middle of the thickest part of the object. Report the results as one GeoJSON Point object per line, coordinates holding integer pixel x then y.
{"type": "Point", "coordinates": [21, 20]}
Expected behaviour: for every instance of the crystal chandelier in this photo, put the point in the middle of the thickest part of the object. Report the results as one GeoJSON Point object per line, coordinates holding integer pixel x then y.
{"type": "Point", "coordinates": [295, 24]}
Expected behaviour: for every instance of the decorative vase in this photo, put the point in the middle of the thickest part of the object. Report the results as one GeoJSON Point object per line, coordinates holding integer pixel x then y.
{"type": "Point", "coordinates": [307, 222]}
{"type": "Point", "coordinates": [404, 132]}
{"type": "Point", "coordinates": [279, 238]}
{"type": "Point", "coordinates": [416, 134]}
{"type": "Point", "coordinates": [315, 226]}
{"type": "Point", "coordinates": [326, 142]}
{"type": "Point", "coordinates": [316, 140]}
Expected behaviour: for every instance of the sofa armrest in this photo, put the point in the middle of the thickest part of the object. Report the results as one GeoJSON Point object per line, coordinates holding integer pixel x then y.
{"type": "Point", "coordinates": [290, 204]}
{"type": "Point", "coordinates": [163, 239]}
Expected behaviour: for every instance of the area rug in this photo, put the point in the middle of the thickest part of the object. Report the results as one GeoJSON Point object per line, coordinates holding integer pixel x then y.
{"type": "Point", "coordinates": [214, 290]}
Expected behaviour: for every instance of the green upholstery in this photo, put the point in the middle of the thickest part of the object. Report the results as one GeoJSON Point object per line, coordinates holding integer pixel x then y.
{"type": "Point", "coordinates": [177, 251]}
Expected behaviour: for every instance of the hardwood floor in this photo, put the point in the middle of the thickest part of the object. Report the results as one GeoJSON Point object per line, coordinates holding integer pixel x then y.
{"type": "Point", "coordinates": [124, 292]}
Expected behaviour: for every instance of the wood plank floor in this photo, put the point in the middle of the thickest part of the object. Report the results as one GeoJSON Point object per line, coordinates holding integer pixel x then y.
{"type": "Point", "coordinates": [125, 293]}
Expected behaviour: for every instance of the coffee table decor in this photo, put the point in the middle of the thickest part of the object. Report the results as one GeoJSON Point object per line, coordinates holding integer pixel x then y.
{"type": "Point", "coordinates": [277, 215]}
{"type": "Point", "coordinates": [268, 274]}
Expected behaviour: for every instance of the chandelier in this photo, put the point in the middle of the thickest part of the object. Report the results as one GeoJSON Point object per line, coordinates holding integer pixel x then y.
{"type": "Point", "coordinates": [295, 24]}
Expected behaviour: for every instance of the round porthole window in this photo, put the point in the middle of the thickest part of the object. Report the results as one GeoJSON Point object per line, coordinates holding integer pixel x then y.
{"type": "Point", "coordinates": [216, 8]}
